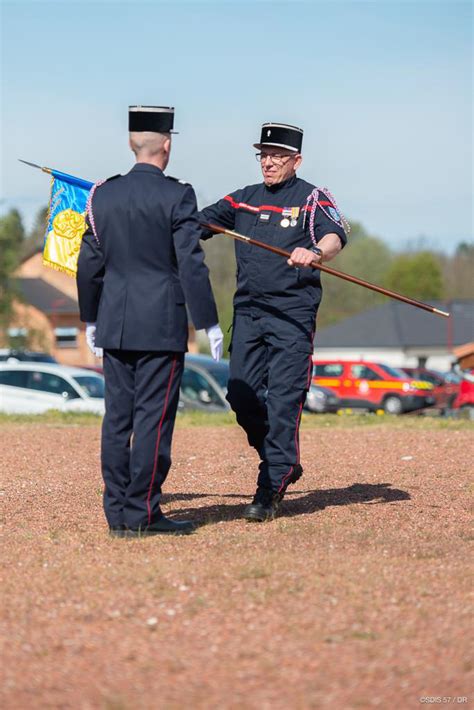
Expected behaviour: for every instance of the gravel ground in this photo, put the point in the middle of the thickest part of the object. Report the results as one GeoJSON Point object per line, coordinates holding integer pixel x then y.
{"type": "Point", "coordinates": [357, 596]}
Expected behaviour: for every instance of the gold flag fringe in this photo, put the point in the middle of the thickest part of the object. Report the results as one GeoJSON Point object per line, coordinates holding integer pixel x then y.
{"type": "Point", "coordinates": [57, 267]}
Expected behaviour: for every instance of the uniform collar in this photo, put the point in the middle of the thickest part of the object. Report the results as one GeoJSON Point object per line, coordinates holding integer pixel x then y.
{"type": "Point", "coordinates": [146, 168]}
{"type": "Point", "coordinates": [282, 185]}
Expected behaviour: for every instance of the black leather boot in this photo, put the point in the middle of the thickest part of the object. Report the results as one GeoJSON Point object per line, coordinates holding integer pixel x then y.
{"type": "Point", "coordinates": [264, 506]}
{"type": "Point", "coordinates": [163, 526]}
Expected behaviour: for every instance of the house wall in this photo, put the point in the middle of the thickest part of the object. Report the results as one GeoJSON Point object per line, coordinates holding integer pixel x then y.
{"type": "Point", "coordinates": [35, 322]}
{"type": "Point", "coordinates": [41, 335]}
{"type": "Point", "coordinates": [33, 268]}
{"type": "Point", "coordinates": [77, 355]}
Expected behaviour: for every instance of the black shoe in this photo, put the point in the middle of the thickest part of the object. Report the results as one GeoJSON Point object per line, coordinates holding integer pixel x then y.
{"type": "Point", "coordinates": [163, 526]}
{"type": "Point", "coordinates": [264, 506]}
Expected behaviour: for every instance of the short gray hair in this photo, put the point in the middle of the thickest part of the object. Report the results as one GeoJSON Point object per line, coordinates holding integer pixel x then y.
{"type": "Point", "coordinates": [147, 142]}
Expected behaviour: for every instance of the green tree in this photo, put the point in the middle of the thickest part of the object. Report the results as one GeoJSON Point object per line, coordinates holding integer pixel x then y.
{"type": "Point", "coordinates": [416, 275]}
{"type": "Point", "coordinates": [220, 258]}
{"type": "Point", "coordinates": [34, 242]}
{"type": "Point", "coordinates": [458, 272]}
{"type": "Point", "coordinates": [368, 258]}
{"type": "Point", "coordinates": [12, 235]}
{"type": "Point", "coordinates": [465, 249]}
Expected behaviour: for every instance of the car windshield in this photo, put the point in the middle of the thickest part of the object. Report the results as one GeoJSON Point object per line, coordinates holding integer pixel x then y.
{"type": "Point", "coordinates": [429, 377]}
{"type": "Point", "coordinates": [393, 371]}
{"type": "Point", "coordinates": [195, 386]}
{"type": "Point", "coordinates": [93, 385]}
{"type": "Point", "coordinates": [449, 377]}
{"type": "Point", "coordinates": [218, 370]}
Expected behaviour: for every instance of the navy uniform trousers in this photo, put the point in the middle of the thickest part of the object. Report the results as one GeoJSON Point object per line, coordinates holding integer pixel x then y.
{"type": "Point", "coordinates": [270, 373]}
{"type": "Point", "coordinates": [141, 398]}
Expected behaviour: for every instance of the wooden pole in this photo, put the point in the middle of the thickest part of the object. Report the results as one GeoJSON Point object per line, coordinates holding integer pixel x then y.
{"type": "Point", "coordinates": [327, 269]}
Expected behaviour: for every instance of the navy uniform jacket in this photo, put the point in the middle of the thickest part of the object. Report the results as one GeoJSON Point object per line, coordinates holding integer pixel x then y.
{"type": "Point", "coordinates": [257, 211]}
{"type": "Point", "coordinates": [145, 264]}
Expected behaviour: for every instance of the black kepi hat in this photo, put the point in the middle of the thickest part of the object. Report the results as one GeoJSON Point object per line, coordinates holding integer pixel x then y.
{"type": "Point", "coordinates": [281, 135]}
{"type": "Point", "coordinates": [157, 119]}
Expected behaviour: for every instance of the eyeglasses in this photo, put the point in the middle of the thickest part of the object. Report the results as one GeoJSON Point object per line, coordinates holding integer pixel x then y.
{"type": "Point", "coordinates": [276, 158]}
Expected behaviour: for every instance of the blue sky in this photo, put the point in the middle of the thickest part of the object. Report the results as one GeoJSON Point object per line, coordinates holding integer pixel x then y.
{"type": "Point", "coordinates": [382, 89]}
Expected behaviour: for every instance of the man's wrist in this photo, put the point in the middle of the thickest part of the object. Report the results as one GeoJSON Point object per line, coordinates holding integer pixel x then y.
{"type": "Point", "coordinates": [318, 251]}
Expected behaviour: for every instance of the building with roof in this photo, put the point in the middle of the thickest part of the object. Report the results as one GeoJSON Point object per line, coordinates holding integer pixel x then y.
{"type": "Point", "coordinates": [46, 315]}
{"type": "Point", "coordinates": [400, 335]}
{"type": "Point", "coordinates": [48, 320]}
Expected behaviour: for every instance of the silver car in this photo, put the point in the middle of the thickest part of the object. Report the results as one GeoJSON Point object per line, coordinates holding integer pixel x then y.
{"type": "Point", "coordinates": [199, 390]}
{"type": "Point", "coordinates": [33, 388]}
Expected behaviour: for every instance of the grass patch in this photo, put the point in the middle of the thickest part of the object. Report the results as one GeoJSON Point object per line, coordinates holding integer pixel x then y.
{"type": "Point", "coordinates": [412, 422]}
{"type": "Point", "coordinates": [309, 421]}
{"type": "Point", "coordinates": [56, 417]}
{"type": "Point", "coordinates": [53, 416]}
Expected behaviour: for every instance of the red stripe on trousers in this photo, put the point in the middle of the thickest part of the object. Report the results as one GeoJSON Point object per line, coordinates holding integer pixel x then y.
{"type": "Point", "coordinates": [298, 421]}
{"type": "Point", "coordinates": [282, 487]}
{"type": "Point", "coordinates": [158, 437]}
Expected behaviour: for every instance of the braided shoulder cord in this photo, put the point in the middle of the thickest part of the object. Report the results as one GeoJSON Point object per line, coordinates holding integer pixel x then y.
{"type": "Point", "coordinates": [89, 211]}
{"type": "Point", "coordinates": [313, 200]}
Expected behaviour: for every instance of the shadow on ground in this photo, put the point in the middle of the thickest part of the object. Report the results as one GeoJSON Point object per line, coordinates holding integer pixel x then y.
{"type": "Point", "coordinates": [305, 502]}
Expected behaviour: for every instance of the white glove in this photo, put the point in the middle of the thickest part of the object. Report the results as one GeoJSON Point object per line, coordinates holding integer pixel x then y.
{"type": "Point", "coordinates": [90, 338]}
{"type": "Point", "coordinates": [216, 341]}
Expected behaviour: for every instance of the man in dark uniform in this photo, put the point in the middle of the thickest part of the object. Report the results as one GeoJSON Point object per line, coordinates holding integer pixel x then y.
{"type": "Point", "coordinates": [275, 305]}
{"type": "Point", "coordinates": [140, 262]}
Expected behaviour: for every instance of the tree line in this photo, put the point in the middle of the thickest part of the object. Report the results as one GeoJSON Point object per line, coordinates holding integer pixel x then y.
{"type": "Point", "coordinates": [420, 273]}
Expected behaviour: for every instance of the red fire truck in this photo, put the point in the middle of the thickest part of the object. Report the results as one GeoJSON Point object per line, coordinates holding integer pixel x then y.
{"type": "Point", "coordinates": [373, 386]}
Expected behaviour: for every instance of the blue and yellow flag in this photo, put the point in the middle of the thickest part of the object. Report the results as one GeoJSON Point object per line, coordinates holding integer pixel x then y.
{"type": "Point", "coordinates": [66, 221]}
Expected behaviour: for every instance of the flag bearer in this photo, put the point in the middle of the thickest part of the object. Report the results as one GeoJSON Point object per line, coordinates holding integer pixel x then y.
{"type": "Point", "coordinates": [139, 263]}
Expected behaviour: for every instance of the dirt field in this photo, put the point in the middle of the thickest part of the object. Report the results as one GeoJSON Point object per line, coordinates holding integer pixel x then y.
{"type": "Point", "coordinates": [356, 597]}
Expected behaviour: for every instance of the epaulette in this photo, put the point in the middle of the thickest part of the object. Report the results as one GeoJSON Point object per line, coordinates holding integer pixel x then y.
{"type": "Point", "coordinates": [112, 177]}
{"type": "Point", "coordinates": [322, 198]}
{"type": "Point", "coordinates": [181, 182]}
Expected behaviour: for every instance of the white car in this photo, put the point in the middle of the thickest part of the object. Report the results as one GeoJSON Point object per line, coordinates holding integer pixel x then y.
{"type": "Point", "coordinates": [33, 388]}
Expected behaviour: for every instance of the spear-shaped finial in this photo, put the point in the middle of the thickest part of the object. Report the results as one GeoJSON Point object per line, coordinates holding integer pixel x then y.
{"type": "Point", "coordinates": [33, 165]}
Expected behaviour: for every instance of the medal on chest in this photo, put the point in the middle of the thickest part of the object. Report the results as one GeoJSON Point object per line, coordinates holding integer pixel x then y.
{"type": "Point", "coordinates": [286, 214]}
{"type": "Point", "coordinates": [290, 217]}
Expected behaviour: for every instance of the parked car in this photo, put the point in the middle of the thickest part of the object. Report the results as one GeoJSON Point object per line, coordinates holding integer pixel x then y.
{"type": "Point", "coordinates": [33, 388]}
{"type": "Point", "coordinates": [12, 355]}
{"type": "Point", "coordinates": [446, 384]}
{"type": "Point", "coordinates": [465, 398]}
{"type": "Point", "coordinates": [218, 370]}
{"type": "Point", "coordinates": [200, 390]}
{"type": "Point", "coordinates": [95, 368]}
{"type": "Point", "coordinates": [204, 383]}
{"type": "Point", "coordinates": [321, 400]}
{"type": "Point", "coordinates": [373, 386]}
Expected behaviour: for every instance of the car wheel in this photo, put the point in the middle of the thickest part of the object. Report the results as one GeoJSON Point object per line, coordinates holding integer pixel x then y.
{"type": "Point", "coordinates": [393, 405]}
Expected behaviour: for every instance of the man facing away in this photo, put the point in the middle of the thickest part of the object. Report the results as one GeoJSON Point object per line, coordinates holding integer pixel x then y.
{"type": "Point", "coordinates": [140, 262]}
{"type": "Point", "coordinates": [275, 305]}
